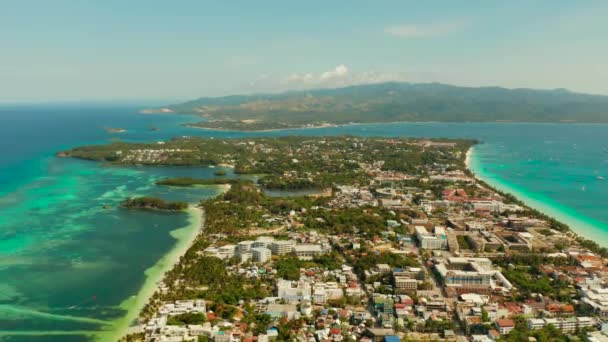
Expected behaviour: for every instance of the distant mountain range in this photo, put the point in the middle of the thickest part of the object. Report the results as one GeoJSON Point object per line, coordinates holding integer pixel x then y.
{"type": "Point", "coordinates": [387, 102]}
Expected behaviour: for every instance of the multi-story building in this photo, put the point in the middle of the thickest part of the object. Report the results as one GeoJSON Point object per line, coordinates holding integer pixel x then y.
{"type": "Point", "coordinates": [323, 292]}
{"type": "Point", "coordinates": [261, 254]}
{"type": "Point", "coordinates": [244, 257]}
{"type": "Point", "coordinates": [597, 298]}
{"type": "Point", "coordinates": [244, 247]}
{"type": "Point", "coordinates": [405, 283]}
{"type": "Point", "coordinates": [307, 251]}
{"type": "Point", "coordinates": [465, 275]}
{"type": "Point", "coordinates": [568, 324]}
{"type": "Point", "coordinates": [262, 241]}
{"type": "Point", "coordinates": [281, 247]}
{"type": "Point", "coordinates": [431, 241]}
{"type": "Point", "coordinates": [409, 272]}
{"type": "Point", "coordinates": [504, 326]}
{"type": "Point", "coordinates": [226, 252]}
{"type": "Point", "coordinates": [293, 290]}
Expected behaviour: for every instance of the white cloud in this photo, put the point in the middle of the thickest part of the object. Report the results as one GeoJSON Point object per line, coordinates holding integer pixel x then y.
{"type": "Point", "coordinates": [340, 76]}
{"type": "Point", "coordinates": [340, 71]}
{"type": "Point", "coordinates": [336, 75]}
{"type": "Point", "coordinates": [421, 31]}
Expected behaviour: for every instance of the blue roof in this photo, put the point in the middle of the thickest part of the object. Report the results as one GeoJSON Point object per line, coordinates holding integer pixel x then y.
{"type": "Point", "coordinates": [392, 339]}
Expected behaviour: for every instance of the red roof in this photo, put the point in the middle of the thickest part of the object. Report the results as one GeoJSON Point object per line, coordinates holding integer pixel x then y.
{"type": "Point", "coordinates": [505, 323]}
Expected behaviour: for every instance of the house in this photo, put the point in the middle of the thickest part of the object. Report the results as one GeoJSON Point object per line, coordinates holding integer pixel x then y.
{"type": "Point", "coordinates": [505, 325]}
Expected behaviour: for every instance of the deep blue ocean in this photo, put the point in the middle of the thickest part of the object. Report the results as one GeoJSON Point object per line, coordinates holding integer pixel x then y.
{"type": "Point", "coordinates": [69, 265]}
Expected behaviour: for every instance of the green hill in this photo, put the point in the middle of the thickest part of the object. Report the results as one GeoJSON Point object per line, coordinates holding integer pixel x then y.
{"type": "Point", "coordinates": [392, 101]}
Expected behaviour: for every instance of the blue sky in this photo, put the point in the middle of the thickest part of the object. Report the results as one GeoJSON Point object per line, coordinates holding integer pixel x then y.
{"type": "Point", "coordinates": [148, 49]}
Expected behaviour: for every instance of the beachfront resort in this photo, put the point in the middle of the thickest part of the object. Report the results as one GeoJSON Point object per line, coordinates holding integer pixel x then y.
{"type": "Point", "coordinates": [399, 242]}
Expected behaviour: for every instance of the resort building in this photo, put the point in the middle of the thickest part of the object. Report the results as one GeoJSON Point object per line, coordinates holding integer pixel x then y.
{"type": "Point", "coordinates": [281, 247]}
{"type": "Point", "coordinates": [307, 251]}
{"type": "Point", "coordinates": [597, 298]}
{"type": "Point", "coordinates": [293, 290]}
{"type": "Point", "coordinates": [244, 247]}
{"type": "Point", "coordinates": [261, 254]}
{"type": "Point", "coordinates": [471, 275]}
{"type": "Point", "coordinates": [568, 324]}
{"type": "Point", "coordinates": [262, 241]}
{"type": "Point", "coordinates": [431, 241]}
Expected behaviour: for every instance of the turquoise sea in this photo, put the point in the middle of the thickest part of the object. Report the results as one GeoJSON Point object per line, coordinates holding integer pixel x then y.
{"type": "Point", "coordinates": [70, 269]}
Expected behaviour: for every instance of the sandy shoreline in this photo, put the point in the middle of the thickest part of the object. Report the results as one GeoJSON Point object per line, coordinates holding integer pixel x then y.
{"type": "Point", "coordinates": [582, 226]}
{"type": "Point", "coordinates": [154, 275]}
{"type": "Point", "coordinates": [467, 159]}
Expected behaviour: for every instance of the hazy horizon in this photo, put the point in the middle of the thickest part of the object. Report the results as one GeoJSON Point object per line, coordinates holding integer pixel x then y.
{"type": "Point", "coordinates": [150, 50]}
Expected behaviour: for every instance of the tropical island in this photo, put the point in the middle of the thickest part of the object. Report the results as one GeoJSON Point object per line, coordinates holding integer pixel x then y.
{"type": "Point", "coordinates": [153, 203]}
{"type": "Point", "coordinates": [392, 102]}
{"type": "Point", "coordinates": [407, 244]}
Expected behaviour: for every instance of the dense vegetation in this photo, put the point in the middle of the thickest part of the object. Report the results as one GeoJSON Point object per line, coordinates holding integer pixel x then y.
{"type": "Point", "coordinates": [152, 203]}
{"type": "Point", "coordinates": [524, 271]}
{"type": "Point", "coordinates": [187, 318]}
{"type": "Point", "coordinates": [289, 267]}
{"type": "Point", "coordinates": [388, 102]}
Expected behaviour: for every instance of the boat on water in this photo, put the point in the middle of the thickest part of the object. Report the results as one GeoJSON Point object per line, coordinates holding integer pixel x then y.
{"type": "Point", "coordinates": [600, 178]}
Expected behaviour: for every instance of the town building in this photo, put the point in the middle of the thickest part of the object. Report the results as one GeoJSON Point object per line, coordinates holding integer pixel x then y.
{"type": "Point", "coordinates": [261, 254]}
{"type": "Point", "coordinates": [307, 251]}
{"type": "Point", "coordinates": [427, 240]}
{"type": "Point", "coordinates": [281, 247]}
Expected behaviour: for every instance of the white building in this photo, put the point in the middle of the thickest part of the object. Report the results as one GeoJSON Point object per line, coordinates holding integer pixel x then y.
{"type": "Point", "coordinates": [405, 283]}
{"type": "Point", "coordinates": [244, 247]}
{"type": "Point", "coordinates": [471, 273]}
{"type": "Point", "coordinates": [281, 247]}
{"type": "Point", "coordinates": [431, 241]}
{"type": "Point", "coordinates": [262, 241]}
{"type": "Point", "coordinates": [323, 292]}
{"type": "Point", "coordinates": [293, 290]}
{"type": "Point", "coordinates": [227, 251]}
{"type": "Point", "coordinates": [568, 324]}
{"type": "Point", "coordinates": [307, 251]}
{"type": "Point", "coordinates": [597, 298]}
{"type": "Point", "coordinates": [245, 256]}
{"type": "Point", "coordinates": [261, 254]}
